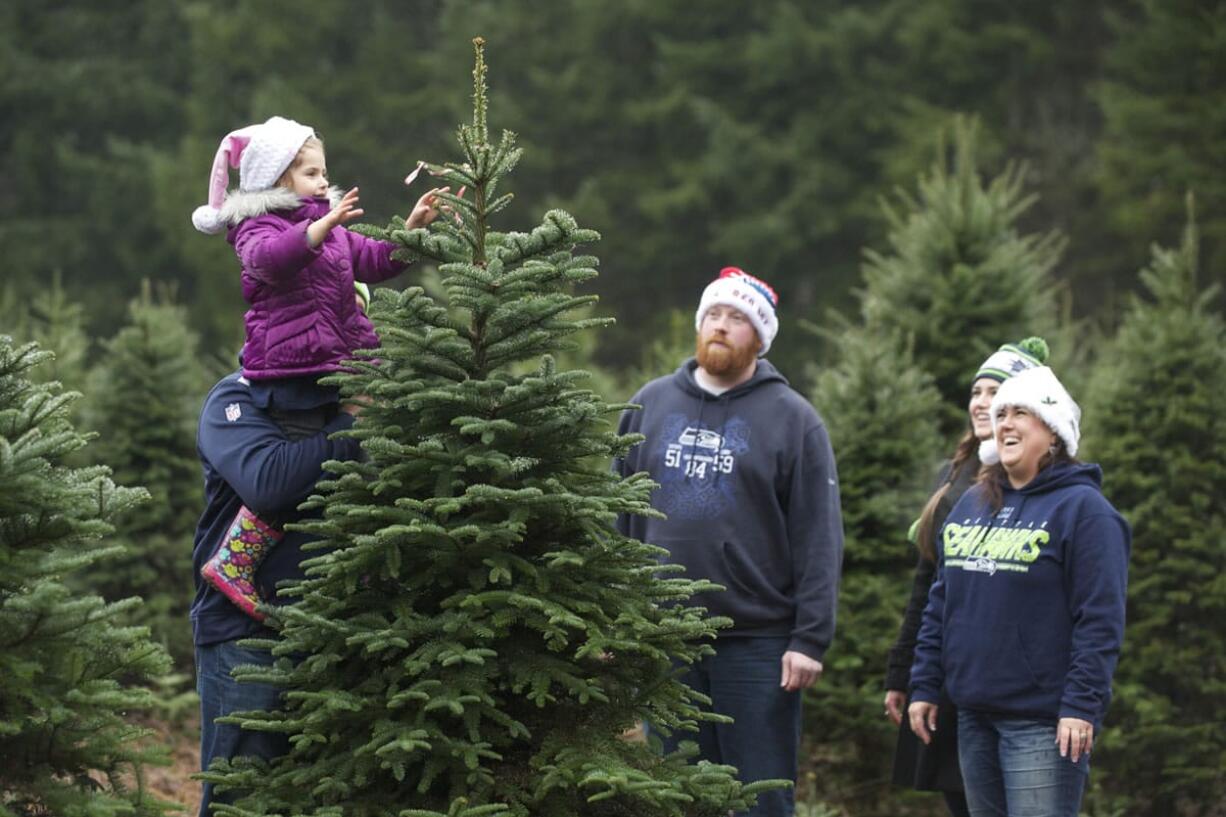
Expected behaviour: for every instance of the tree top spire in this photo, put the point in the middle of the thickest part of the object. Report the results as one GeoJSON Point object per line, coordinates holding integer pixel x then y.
{"type": "Point", "coordinates": [479, 100]}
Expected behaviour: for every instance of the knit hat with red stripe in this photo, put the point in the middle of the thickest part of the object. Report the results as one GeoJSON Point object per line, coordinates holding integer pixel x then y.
{"type": "Point", "coordinates": [752, 296]}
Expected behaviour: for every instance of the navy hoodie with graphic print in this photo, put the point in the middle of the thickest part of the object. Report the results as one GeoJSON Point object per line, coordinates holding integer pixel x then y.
{"type": "Point", "coordinates": [1026, 616]}
{"type": "Point", "coordinates": [748, 482]}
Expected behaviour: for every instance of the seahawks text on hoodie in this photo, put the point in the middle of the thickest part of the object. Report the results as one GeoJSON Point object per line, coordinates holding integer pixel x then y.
{"type": "Point", "coordinates": [1026, 616]}
{"type": "Point", "coordinates": [748, 483]}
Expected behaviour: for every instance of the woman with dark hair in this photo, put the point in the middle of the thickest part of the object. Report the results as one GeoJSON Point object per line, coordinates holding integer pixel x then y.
{"type": "Point", "coordinates": [935, 767]}
{"type": "Point", "coordinates": [1025, 619]}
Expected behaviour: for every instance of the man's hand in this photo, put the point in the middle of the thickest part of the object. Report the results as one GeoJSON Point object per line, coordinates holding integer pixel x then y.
{"type": "Point", "coordinates": [354, 405]}
{"type": "Point", "coordinates": [923, 717]}
{"type": "Point", "coordinates": [799, 671]}
{"type": "Point", "coordinates": [342, 213]}
{"type": "Point", "coordinates": [894, 699]}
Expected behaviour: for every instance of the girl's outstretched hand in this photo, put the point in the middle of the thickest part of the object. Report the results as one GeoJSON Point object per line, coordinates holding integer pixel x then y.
{"type": "Point", "coordinates": [428, 208]}
{"type": "Point", "coordinates": [344, 212]}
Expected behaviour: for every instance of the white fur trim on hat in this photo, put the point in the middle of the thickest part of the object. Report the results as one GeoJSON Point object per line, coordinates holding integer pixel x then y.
{"type": "Point", "coordinates": [752, 296]}
{"type": "Point", "coordinates": [1039, 391]}
{"type": "Point", "coordinates": [261, 153]}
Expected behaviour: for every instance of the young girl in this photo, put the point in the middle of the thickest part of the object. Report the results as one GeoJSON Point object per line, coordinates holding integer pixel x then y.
{"type": "Point", "coordinates": [299, 272]}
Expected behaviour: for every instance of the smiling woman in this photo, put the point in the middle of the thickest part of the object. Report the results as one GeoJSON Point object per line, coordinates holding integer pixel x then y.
{"type": "Point", "coordinates": [1023, 440]}
{"type": "Point", "coordinates": [934, 766]}
{"type": "Point", "coordinates": [1024, 622]}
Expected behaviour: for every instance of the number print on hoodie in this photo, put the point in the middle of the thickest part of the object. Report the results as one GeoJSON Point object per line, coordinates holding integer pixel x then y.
{"type": "Point", "coordinates": [696, 478]}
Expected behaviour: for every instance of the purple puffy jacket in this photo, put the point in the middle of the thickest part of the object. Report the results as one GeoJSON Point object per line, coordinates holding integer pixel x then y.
{"type": "Point", "coordinates": [303, 318]}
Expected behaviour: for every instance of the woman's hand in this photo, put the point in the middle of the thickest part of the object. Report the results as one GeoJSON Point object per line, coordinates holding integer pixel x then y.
{"type": "Point", "coordinates": [894, 700]}
{"type": "Point", "coordinates": [923, 717]}
{"type": "Point", "coordinates": [1075, 736]}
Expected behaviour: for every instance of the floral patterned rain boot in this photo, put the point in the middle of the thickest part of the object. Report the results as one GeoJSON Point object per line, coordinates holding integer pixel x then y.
{"type": "Point", "coordinates": [232, 568]}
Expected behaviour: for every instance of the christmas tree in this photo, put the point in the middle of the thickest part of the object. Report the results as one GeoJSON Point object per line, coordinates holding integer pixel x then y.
{"type": "Point", "coordinates": [57, 324]}
{"type": "Point", "coordinates": [67, 664]}
{"type": "Point", "coordinates": [883, 413]}
{"type": "Point", "coordinates": [144, 398]}
{"type": "Point", "coordinates": [1152, 422]}
{"type": "Point", "coordinates": [1161, 129]}
{"type": "Point", "coordinates": [474, 637]}
{"type": "Point", "coordinates": [961, 279]}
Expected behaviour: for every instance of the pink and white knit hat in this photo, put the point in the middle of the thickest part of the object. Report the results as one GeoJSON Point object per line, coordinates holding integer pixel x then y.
{"type": "Point", "coordinates": [261, 153]}
{"type": "Point", "coordinates": [752, 296]}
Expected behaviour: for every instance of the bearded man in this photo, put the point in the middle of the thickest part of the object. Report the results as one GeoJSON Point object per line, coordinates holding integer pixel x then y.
{"type": "Point", "coordinates": [748, 483]}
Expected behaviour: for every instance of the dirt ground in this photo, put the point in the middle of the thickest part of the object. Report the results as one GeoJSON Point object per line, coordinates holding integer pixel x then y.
{"type": "Point", "coordinates": [174, 782]}
{"type": "Point", "coordinates": [182, 741]}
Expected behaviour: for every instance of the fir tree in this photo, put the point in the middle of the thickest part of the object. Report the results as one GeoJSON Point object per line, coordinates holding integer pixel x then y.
{"type": "Point", "coordinates": [1164, 122]}
{"type": "Point", "coordinates": [57, 324]}
{"type": "Point", "coordinates": [66, 662]}
{"type": "Point", "coordinates": [960, 279]}
{"type": "Point", "coordinates": [143, 402]}
{"type": "Point", "coordinates": [1153, 423]}
{"type": "Point", "coordinates": [883, 411]}
{"type": "Point", "coordinates": [476, 636]}
{"type": "Point", "coordinates": [672, 342]}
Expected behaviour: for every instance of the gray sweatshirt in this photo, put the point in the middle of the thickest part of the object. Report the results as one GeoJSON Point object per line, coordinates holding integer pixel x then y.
{"type": "Point", "coordinates": [748, 482]}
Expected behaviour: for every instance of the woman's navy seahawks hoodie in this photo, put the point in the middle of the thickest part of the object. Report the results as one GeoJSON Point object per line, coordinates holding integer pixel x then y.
{"type": "Point", "coordinates": [748, 482]}
{"type": "Point", "coordinates": [1026, 616]}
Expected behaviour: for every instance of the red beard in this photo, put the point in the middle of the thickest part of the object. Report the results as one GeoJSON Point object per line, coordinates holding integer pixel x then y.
{"type": "Point", "coordinates": [721, 359]}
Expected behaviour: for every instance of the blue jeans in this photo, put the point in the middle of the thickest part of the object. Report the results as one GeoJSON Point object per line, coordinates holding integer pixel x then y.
{"type": "Point", "coordinates": [1011, 767]}
{"type": "Point", "coordinates": [763, 742]}
{"type": "Point", "coordinates": [222, 695]}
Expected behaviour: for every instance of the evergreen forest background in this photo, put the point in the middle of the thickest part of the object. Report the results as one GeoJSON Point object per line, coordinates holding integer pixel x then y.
{"type": "Point", "coordinates": [921, 180]}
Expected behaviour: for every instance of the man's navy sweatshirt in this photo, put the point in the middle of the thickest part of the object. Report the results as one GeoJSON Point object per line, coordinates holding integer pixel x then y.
{"type": "Point", "coordinates": [748, 482]}
{"type": "Point", "coordinates": [250, 459]}
{"type": "Point", "coordinates": [1026, 616]}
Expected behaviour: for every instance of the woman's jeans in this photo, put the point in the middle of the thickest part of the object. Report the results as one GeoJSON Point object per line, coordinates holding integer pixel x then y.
{"type": "Point", "coordinates": [221, 695]}
{"type": "Point", "coordinates": [1011, 767]}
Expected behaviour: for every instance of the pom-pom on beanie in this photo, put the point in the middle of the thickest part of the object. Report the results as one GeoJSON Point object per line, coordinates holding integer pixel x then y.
{"type": "Point", "coordinates": [261, 153]}
{"type": "Point", "coordinates": [1013, 358]}
{"type": "Point", "coordinates": [752, 296]}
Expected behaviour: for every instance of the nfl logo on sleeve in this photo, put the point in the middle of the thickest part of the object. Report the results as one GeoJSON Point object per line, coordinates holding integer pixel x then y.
{"type": "Point", "coordinates": [233, 412]}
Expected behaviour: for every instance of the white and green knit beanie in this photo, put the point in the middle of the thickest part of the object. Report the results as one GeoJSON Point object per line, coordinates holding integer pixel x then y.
{"type": "Point", "coordinates": [1013, 358]}
{"type": "Point", "coordinates": [1004, 363]}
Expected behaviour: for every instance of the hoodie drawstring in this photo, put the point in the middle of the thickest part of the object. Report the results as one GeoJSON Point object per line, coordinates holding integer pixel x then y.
{"type": "Point", "coordinates": [723, 426]}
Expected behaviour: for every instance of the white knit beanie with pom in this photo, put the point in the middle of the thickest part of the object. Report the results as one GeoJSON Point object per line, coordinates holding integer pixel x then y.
{"type": "Point", "coordinates": [261, 153]}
